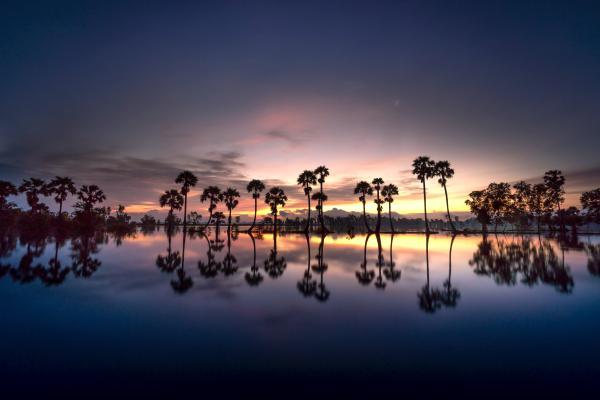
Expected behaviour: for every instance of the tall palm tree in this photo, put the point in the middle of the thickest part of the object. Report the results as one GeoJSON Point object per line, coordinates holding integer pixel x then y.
{"type": "Point", "coordinates": [255, 187]}
{"type": "Point", "coordinates": [423, 168]}
{"type": "Point", "coordinates": [33, 189]}
{"type": "Point", "coordinates": [364, 189]}
{"type": "Point", "coordinates": [388, 192]}
{"type": "Point", "coordinates": [445, 172]}
{"type": "Point", "coordinates": [230, 198]}
{"type": "Point", "coordinates": [306, 179]}
{"type": "Point", "coordinates": [213, 195]}
{"type": "Point", "coordinates": [187, 180]}
{"type": "Point", "coordinates": [275, 198]}
{"type": "Point", "coordinates": [172, 199]}
{"type": "Point", "coordinates": [322, 172]}
{"type": "Point", "coordinates": [61, 187]}
{"type": "Point", "coordinates": [377, 182]}
{"type": "Point", "coordinates": [88, 197]}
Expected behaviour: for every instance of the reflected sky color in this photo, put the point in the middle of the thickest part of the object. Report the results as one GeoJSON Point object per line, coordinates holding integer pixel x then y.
{"type": "Point", "coordinates": [450, 325]}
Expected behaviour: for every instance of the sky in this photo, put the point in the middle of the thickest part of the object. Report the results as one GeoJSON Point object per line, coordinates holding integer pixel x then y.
{"type": "Point", "coordinates": [127, 94]}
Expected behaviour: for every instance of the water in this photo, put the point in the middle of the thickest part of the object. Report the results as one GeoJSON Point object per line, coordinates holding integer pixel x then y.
{"type": "Point", "coordinates": [125, 315]}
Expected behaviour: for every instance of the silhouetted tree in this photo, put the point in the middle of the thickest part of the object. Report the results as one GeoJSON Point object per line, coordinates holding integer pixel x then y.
{"type": "Point", "coordinates": [540, 204]}
{"type": "Point", "coordinates": [187, 180]}
{"type": "Point", "coordinates": [499, 198]}
{"type": "Point", "coordinates": [424, 168]}
{"type": "Point", "coordinates": [377, 182]}
{"type": "Point", "coordinates": [7, 189]}
{"type": "Point", "coordinates": [443, 170]}
{"type": "Point", "coordinates": [388, 192]}
{"type": "Point", "coordinates": [306, 180]}
{"type": "Point", "coordinates": [255, 187]}
{"type": "Point", "coordinates": [322, 172]}
{"type": "Point", "coordinates": [88, 197]}
{"type": "Point", "coordinates": [60, 187]}
{"type": "Point", "coordinates": [479, 205]}
{"type": "Point", "coordinates": [364, 189]}
{"type": "Point", "coordinates": [230, 198]}
{"type": "Point", "coordinates": [520, 204]}
{"type": "Point", "coordinates": [212, 194]}
{"type": "Point", "coordinates": [172, 199]}
{"type": "Point", "coordinates": [590, 203]}
{"type": "Point", "coordinates": [555, 181]}
{"type": "Point", "coordinates": [275, 198]}
{"type": "Point", "coordinates": [33, 189]}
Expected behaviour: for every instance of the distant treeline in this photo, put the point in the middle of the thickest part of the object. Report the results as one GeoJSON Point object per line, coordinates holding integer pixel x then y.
{"type": "Point", "coordinates": [524, 204]}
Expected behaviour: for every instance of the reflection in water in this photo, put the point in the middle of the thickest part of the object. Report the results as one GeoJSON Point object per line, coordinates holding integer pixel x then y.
{"type": "Point", "coordinates": [321, 293]}
{"type": "Point", "coordinates": [182, 283]}
{"type": "Point", "coordinates": [364, 275]}
{"type": "Point", "coordinates": [275, 265]}
{"type": "Point", "coordinates": [171, 261]}
{"type": "Point", "coordinates": [593, 264]}
{"type": "Point", "coordinates": [522, 260]}
{"type": "Point", "coordinates": [307, 286]}
{"type": "Point", "coordinates": [254, 277]}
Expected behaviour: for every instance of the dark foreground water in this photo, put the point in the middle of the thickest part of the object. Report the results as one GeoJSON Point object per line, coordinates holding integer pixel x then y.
{"type": "Point", "coordinates": [102, 315]}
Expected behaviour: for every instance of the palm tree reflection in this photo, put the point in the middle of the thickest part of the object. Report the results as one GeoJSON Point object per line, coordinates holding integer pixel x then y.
{"type": "Point", "coordinates": [593, 263]}
{"type": "Point", "coordinates": [365, 276]}
{"type": "Point", "coordinates": [390, 273]}
{"type": "Point", "coordinates": [254, 277]}
{"type": "Point", "coordinates": [171, 261]}
{"type": "Point", "coordinates": [307, 285]}
{"type": "Point", "coordinates": [322, 293]}
{"type": "Point", "coordinates": [274, 265]}
{"type": "Point", "coordinates": [450, 295]}
{"type": "Point", "coordinates": [211, 267]}
{"type": "Point", "coordinates": [230, 266]}
{"type": "Point", "coordinates": [182, 283]}
{"type": "Point", "coordinates": [379, 282]}
{"type": "Point", "coordinates": [83, 248]}
{"type": "Point", "coordinates": [55, 274]}
{"type": "Point", "coordinates": [429, 299]}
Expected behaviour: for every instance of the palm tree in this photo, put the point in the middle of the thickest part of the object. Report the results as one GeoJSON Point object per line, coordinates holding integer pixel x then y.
{"type": "Point", "coordinates": [388, 192]}
{"type": "Point", "coordinates": [255, 187]}
{"type": "Point", "coordinates": [174, 200]}
{"type": "Point", "coordinates": [377, 182]}
{"type": "Point", "coordinates": [306, 179]}
{"type": "Point", "coordinates": [61, 187]}
{"type": "Point", "coordinates": [187, 180]}
{"type": "Point", "coordinates": [322, 172]}
{"type": "Point", "coordinates": [275, 198]}
{"type": "Point", "coordinates": [445, 172]}
{"type": "Point", "coordinates": [213, 195]}
{"type": "Point", "coordinates": [423, 168]}
{"type": "Point", "coordinates": [33, 188]}
{"type": "Point", "coordinates": [230, 198]}
{"type": "Point", "coordinates": [364, 189]}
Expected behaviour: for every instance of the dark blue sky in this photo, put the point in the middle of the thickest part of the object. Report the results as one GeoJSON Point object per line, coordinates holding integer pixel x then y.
{"type": "Point", "coordinates": [134, 91]}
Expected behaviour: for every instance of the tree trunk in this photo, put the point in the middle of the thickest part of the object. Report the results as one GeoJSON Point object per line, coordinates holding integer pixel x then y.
{"type": "Point", "coordinates": [307, 229]}
{"type": "Point", "coordinates": [185, 210]}
{"type": "Point", "coordinates": [60, 208]}
{"type": "Point", "coordinates": [365, 217]}
{"type": "Point", "coordinates": [425, 207]}
{"type": "Point", "coordinates": [378, 227]}
{"type": "Point", "coordinates": [229, 221]}
{"type": "Point", "coordinates": [321, 217]}
{"type": "Point", "coordinates": [255, 211]}
{"type": "Point", "coordinates": [448, 210]}
{"type": "Point", "coordinates": [390, 213]}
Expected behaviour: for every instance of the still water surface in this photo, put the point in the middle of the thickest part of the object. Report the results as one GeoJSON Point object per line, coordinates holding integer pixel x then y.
{"type": "Point", "coordinates": [362, 314]}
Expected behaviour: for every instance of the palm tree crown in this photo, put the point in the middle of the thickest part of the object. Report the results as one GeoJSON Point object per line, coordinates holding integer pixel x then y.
{"type": "Point", "coordinates": [255, 187]}
{"type": "Point", "coordinates": [306, 179]}
{"type": "Point", "coordinates": [423, 168]}
{"type": "Point", "coordinates": [364, 189]}
{"type": "Point", "coordinates": [171, 198]}
{"type": "Point", "coordinates": [187, 180]}
{"type": "Point", "coordinates": [443, 170]}
{"type": "Point", "coordinates": [275, 198]}
{"type": "Point", "coordinates": [61, 187]}
{"type": "Point", "coordinates": [388, 192]}
{"type": "Point", "coordinates": [230, 198]}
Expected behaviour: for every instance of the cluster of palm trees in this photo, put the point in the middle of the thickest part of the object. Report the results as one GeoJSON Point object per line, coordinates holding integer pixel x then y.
{"type": "Point", "coordinates": [424, 168]}
{"type": "Point", "coordinates": [275, 198]}
{"type": "Point", "coordinates": [59, 188]}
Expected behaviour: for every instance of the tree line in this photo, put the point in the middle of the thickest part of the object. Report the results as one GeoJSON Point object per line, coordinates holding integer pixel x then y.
{"type": "Point", "coordinates": [523, 204]}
